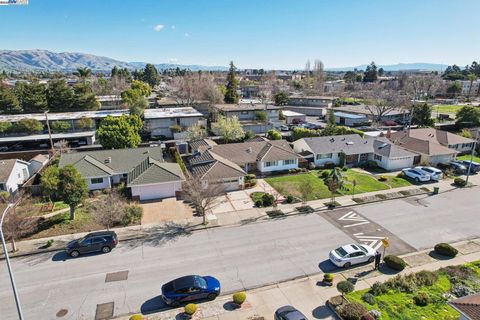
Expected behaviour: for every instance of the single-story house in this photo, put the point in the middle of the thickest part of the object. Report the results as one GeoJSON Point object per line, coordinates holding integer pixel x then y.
{"type": "Point", "coordinates": [355, 150]}
{"type": "Point", "coordinates": [396, 114]}
{"type": "Point", "coordinates": [250, 115]}
{"type": "Point", "coordinates": [350, 120]}
{"type": "Point", "coordinates": [431, 145]}
{"type": "Point", "coordinates": [13, 173]}
{"type": "Point", "coordinates": [468, 307]}
{"type": "Point", "coordinates": [143, 170]}
{"type": "Point", "coordinates": [167, 122]}
{"type": "Point", "coordinates": [292, 115]}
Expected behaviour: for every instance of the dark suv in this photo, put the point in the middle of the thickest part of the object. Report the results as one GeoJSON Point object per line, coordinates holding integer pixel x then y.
{"type": "Point", "coordinates": [103, 241]}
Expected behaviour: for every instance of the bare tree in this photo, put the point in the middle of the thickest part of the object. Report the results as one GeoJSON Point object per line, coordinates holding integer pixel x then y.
{"type": "Point", "coordinates": [422, 87]}
{"type": "Point", "coordinates": [319, 76]}
{"type": "Point", "coordinates": [277, 193]}
{"type": "Point", "coordinates": [202, 195]}
{"type": "Point", "coordinates": [17, 225]}
{"type": "Point", "coordinates": [379, 100]}
{"type": "Point", "coordinates": [305, 189]}
{"type": "Point", "coordinates": [111, 210]}
{"type": "Point", "coordinates": [191, 88]}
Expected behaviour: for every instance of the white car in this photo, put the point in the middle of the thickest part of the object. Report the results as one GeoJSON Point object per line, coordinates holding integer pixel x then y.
{"type": "Point", "coordinates": [416, 174]}
{"type": "Point", "coordinates": [284, 128]}
{"type": "Point", "coordinates": [434, 173]}
{"type": "Point", "coordinates": [351, 254]}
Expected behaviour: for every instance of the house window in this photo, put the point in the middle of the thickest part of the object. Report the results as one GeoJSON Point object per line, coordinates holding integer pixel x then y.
{"type": "Point", "coordinates": [377, 157]}
{"type": "Point", "coordinates": [2, 187]}
{"type": "Point", "coordinates": [271, 163]}
{"type": "Point", "coordinates": [96, 180]}
{"type": "Point", "coordinates": [288, 162]}
{"type": "Point", "coordinates": [244, 112]}
{"type": "Point", "coordinates": [324, 156]}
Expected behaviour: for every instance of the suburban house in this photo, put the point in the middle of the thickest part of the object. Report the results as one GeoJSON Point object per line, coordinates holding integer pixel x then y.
{"type": "Point", "coordinates": [309, 105]}
{"type": "Point", "coordinates": [143, 170]}
{"type": "Point", "coordinates": [250, 115]}
{"type": "Point", "coordinates": [431, 145]}
{"type": "Point", "coordinates": [255, 156]}
{"type": "Point", "coordinates": [355, 150]}
{"type": "Point", "coordinates": [171, 122]}
{"type": "Point", "coordinates": [292, 116]}
{"type": "Point", "coordinates": [396, 114]}
{"type": "Point", "coordinates": [13, 173]}
{"type": "Point", "coordinates": [468, 306]}
{"type": "Point", "coordinates": [37, 163]}
{"type": "Point", "coordinates": [351, 120]}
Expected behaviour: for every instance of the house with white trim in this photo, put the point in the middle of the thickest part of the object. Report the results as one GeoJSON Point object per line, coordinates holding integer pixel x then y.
{"type": "Point", "coordinates": [13, 173]}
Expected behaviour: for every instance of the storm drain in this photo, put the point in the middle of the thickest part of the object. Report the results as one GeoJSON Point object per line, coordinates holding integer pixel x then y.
{"type": "Point", "coordinates": [104, 311]}
{"type": "Point", "coordinates": [116, 276]}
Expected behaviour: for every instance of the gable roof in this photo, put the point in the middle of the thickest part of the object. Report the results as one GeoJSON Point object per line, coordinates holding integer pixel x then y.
{"type": "Point", "coordinates": [469, 306]}
{"type": "Point", "coordinates": [40, 158]}
{"type": "Point", "coordinates": [109, 162]}
{"type": "Point", "coordinates": [384, 147]}
{"type": "Point", "coordinates": [6, 167]}
{"type": "Point", "coordinates": [196, 144]}
{"type": "Point", "coordinates": [348, 144]}
{"type": "Point", "coordinates": [151, 171]}
{"type": "Point", "coordinates": [429, 147]}
{"type": "Point", "coordinates": [211, 166]}
{"type": "Point", "coordinates": [444, 138]}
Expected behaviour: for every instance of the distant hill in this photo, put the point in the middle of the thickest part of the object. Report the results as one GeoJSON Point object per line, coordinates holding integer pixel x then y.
{"type": "Point", "coordinates": [398, 67]}
{"type": "Point", "coordinates": [44, 60]}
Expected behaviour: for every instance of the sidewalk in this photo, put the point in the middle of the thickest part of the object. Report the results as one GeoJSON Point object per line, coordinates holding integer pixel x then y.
{"type": "Point", "coordinates": [309, 295]}
{"type": "Point", "coordinates": [238, 217]}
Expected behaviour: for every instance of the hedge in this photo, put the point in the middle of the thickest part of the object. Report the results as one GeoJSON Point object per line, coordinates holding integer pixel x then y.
{"type": "Point", "coordinates": [445, 249]}
{"type": "Point", "coordinates": [459, 182]}
{"type": "Point", "coordinates": [394, 262]}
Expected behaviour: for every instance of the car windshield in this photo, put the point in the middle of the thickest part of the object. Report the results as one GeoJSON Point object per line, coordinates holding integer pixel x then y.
{"type": "Point", "coordinates": [201, 282]}
{"type": "Point", "coordinates": [363, 249]}
{"type": "Point", "coordinates": [341, 252]}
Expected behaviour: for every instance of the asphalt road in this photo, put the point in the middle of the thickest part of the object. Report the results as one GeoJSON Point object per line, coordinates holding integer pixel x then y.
{"type": "Point", "coordinates": [241, 257]}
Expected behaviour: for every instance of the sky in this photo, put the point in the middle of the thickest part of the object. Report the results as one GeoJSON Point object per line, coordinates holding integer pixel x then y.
{"type": "Point", "coordinates": [269, 34]}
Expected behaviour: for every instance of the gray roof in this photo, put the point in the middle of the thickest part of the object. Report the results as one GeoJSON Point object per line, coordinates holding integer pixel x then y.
{"type": "Point", "coordinates": [151, 171]}
{"type": "Point", "coordinates": [384, 147]}
{"type": "Point", "coordinates": [196, 144]}
{"type": "Point", "coordinates": [244, 107]}
{"type": "Point", "coordinates": [363, 109]}
{"type": "Point", "coordinates": [108, 162]}
{"type": "Point", "coordinates": [210, 166]}
{"type": "Point", "coordinates": [348, 144]}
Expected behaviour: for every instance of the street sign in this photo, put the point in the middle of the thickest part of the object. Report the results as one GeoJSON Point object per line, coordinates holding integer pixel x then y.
{"type": "Point", "coordinates": [385, 242]}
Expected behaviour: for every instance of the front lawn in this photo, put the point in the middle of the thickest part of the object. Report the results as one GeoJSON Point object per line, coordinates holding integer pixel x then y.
{"type": "Point", "coordinates": [446, 108]}
{"type": "Point", "coordinates": [395, 298]}
{"type": "Point", "coordinates": [396, 182]}
{"type": "Point", "coordinates": [291, 183]}
{"type": "Point", "coordinates": [467, 157]}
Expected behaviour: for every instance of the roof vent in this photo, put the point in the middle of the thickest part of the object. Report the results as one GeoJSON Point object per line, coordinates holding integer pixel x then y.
{"type": "Point", "coordinates": [249, 150]}
{"type": "Point", "coordinates": [332, 140]}
{"type": "Point", "coordinates": [350, 143]}
{"type": "Point", "coordinates": [108, 160]}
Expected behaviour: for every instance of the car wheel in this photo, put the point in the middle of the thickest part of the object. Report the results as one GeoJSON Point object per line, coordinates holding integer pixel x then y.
{"type": "Point", "coordinates": [211, 296]}
{"type": "Point", "coordinates": [371, 259]}
{"type": "Point", "coordinates": [347, 265]}
{"type": "Point", "coordinates": [174, 304]}
{"type": "Point", "coordinates": [106, 249]}
{"type": "Point", "coordinates": [74, 254]}
{"type": "Point", "coordinates": [417, 180]}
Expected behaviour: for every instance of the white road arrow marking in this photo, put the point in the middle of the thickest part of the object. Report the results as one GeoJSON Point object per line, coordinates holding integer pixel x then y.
{"type": "Point", "coordinates": [373, 241]}
{"type": "Point", "coordinates": [352, 216]}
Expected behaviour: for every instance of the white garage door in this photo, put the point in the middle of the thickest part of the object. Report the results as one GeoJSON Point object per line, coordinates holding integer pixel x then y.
{"type": "Point", "coordinates": [155, 191]}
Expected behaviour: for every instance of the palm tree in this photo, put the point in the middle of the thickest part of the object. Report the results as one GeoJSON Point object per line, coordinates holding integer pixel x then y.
{"type": "Point", "coordinates": [83, 72]}
{"type": "Point", "coordinates": [471, 77]}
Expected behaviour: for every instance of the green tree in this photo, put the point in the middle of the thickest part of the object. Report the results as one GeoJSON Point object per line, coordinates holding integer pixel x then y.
{"type": "Point", "coordinates": [138, 107]}
{"type": "Point", "coordinates": [61, 126]}
{"type": "Point", "coordinates": [34, 98]}
{"type": "Point", "coordinates": [49, 182]}
{"type": "Point", "coordinates": [85, 123]}
{"type": "Point", "coordinates": [454, 89]}
{"type": "Point", "coordinates": [8, 101]}
{"type": "Point", "coordinates": [422, 115]}
{"type": "Point", "coordinates": [85, 97]}
{"type": "Point", "coordinates": [274, 135]}
{"type": "Point", "coordinates": [150, 75]}
{"type": "Point", "coordinates": [261, 116]}
{"type": "Point", "coordinates": [120, 132]}
{"type": "Point", "coordinates": [345, 287]}
{"type": "Point", "coordinates": [371, 73]}
{"type": "Point", "coordinates": [468, 116]}
{"type": "Point", "coordinates": [281, 98]}
{"type": "Point", "coordinates": [135, 97]}
{"type": "Point", "coordinates": [229, 128]}
{"type": "Point", "coordinates": [5, 126]}
{"type": "Point", "coordinates": [83, 73]}
{"type": "Point", "coordinates": [60, 96]}
{"type": "Point", "coordinates": [231, 94]}
{"type": "Point", "coordinates": [332, 122]}
{"type": "Point", "coordinates": [28, 126]}
{"type": "Point", "coordinates": [72, 188]}
{"type": "Point", "coordinates": [196, 132]}
{"type": "Point", "coordinates": [299, 133]}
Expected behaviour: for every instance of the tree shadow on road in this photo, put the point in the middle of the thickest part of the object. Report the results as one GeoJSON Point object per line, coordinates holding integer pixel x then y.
{"type": "Point", "coordinates": [159, 235]}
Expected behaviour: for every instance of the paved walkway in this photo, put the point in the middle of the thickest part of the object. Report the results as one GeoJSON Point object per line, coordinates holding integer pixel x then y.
{"type": "Point", "coordinates": [309, 295]}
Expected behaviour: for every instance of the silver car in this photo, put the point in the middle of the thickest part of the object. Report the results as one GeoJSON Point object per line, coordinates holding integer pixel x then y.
{"type": "Point", "coordinates": [434, 173]}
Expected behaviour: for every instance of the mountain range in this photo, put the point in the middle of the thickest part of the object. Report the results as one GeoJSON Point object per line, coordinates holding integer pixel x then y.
{"type": "Point", "coordinates": [44, 60]}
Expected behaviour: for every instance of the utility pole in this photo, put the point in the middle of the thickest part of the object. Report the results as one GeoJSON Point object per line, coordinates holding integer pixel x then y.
{"type": "Point", "coordinates": [7, 259]}
{"type": "Point", "coordinates": [49, 133]}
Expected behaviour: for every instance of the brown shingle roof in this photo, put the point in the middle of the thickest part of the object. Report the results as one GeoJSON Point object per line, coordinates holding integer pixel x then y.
{"type": "Point", "coordinates": [468, 306]}
{"type": "Point", "coordinates": [425, 146]}
{"type": "Point", "coordinates": [6, 167]}
{"type": "Point", "coordinates": [442, 137]}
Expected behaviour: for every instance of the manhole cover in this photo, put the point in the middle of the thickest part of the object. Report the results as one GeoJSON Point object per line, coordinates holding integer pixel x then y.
{"type": "Point", "coordinates": [116, 276]}
{"type": "Point", "coordinates": [104, 311]}
{"type": "Point", "coordinates": [62, 313]}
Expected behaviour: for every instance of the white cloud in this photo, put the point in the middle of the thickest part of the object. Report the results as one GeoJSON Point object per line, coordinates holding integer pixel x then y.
{"type": "Point", "coordinates": [172, 60]}
{"type": "Point", "coordinates": [173, 27]}
{"type": "Point", "coordinates": [187, 34]}
{"type": "Point", "coordinates": [158, 27]}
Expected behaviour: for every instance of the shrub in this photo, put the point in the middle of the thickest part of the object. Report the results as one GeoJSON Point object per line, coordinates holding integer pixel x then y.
{"type": "Point", "coordinates": [290, 199]}
{"type": "Point", "coordinates": [344, 168]}
{"type": "Point", "coordinates": [324, 175]}
{"type": "Point", "coordinates": [267, 200]}
{"type": "Point", "coordinates": [345, 287]}
{"type": "Point", "coordinates": [445, 249]}
{"type": "Point", "coordinates": [375, 313]}
{"type": "Point", "coordinates": [369, 298]}
{"type": "Point", "coordinates": [328, 277]}
{"type": "Point", "coordinates": [421, 299]}
{"type": "Point", "coordinates": [402, 283]}
{"type": "Point", "coordinates": [133, 215]}
{"type": "Point", "coordinates": [372, 164]}
{"type": "Point", "coordinates": [252, 182]}
{"type": "Point", "coordinates": [136, 317]}
{"type": "Point", "coordinates": [383, 178]}
{"type": "Point", "coordinates": [311, 165]}
{"type": "Point", "coordinates": [352, 311]}
{"type": "Point", "coordinates": [239, 297]}
{"type": "Point", "coordinates": [4, 196]}
{"type": "Point", "coordinates": [367, 316]}
{"type": "Point", "coordinates": [49, 243]}
{"type": "Point", "coordinates": [250, 177]}
{"type": "Point", "coordinates": [329, 165]}
{"type": "Point", "coordinates": [394, 262]}
{"type": "Point", "coordinates": [258, 203]}
{"type": "Point", "coordinates": [190, 308]}
{"type": "Point", "coordinates": [458, 272]}
{"type": "Point", "coordinates": [460, 290]}
{"type": "Point", "coordinates": [401, 175]}
{"type": "Point", "coordinates": [378, 288]}
{"type": "Point", "coordinates": [459, 182]}
{"type": "Point", "coordinates": [425, 278]}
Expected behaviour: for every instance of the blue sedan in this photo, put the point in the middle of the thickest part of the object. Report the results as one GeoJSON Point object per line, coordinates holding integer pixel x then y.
{"type": "Point", "coordinates": [190, 288]}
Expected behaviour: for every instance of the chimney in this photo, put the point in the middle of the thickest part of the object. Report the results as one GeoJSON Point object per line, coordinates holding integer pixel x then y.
{"type": "Point", "coordinates": [108, 160]}
{"type": "Point", "coordinates": [389, 133]}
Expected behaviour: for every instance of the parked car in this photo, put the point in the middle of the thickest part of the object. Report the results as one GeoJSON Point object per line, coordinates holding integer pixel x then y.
{"type": "Point", "coordinates": [189, 288]}
{"type": "Point", "coordinates": [390, 123]}
{"type": "Point", "coordinates": [297, 121]}
{"type": "Point", "coordinates": [284, 128]}
{"type": "Point", "coordinates": [474, 166]}
{"type": "Point", "coordinates": [289, 313]}
{"type": "Point", "coordinates": [457, 167]}
{"type": "Point", "coordinates": [434, 173]}
{"type": "Point", "coordinates": [3, 149]}
{"type": "Point", "coordinates": [351, 254]}
{"type": "Point", "coordinates": [416, 174]}
{"type": "Point", "coordinates": [103, 241]}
